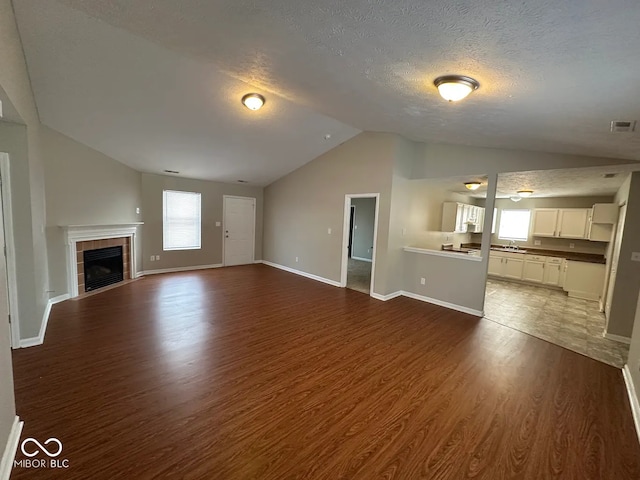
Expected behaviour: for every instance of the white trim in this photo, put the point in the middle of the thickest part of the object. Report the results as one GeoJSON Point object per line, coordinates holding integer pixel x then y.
{"type": "Point", "coordinates": [345, 237]}
{"type": "Point", "coordinates": [389, 296]}
{"type": "Point", "coordinates": [12, 280]}
{"type": "Point", "coordinates": [617, 338]}
{"type": "Point", "coordinates": [370, 260]}
{"type": "Point", "coordinates": [303, 274]}
{"type": "Point", "coordinates": [10, 449]}
{"type": "Point", "coordinates": [224, 219]}
{"type": "Point", "coordinates": [633, 398]}
{"type": "Point", "coordinates": [443, 253]}
{"type": "Point", "coordinates": [452, 306]}
{"type": "Point", "coordinates": [179, 269]}
{"type": "Point", "coordinates": [83, 233]}
{"type": "Point", "coordinates": [594, 297]}
{"type": "Point", "coordinates": [39, 340]}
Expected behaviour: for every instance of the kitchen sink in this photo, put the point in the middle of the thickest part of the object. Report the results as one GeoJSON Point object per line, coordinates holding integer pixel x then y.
{"type": "Point", "coordinates": [508, 249]}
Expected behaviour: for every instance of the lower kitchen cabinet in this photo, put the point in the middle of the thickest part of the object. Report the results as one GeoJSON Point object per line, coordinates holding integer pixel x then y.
{"type": "Point", "coordinates": [513, 268]}
{"type": "Point", "coordinates": [534, 267]}
{"type": "Point", "coordinates": [553, 274]}
{"type": "Point", "coordinates": [584, 280]}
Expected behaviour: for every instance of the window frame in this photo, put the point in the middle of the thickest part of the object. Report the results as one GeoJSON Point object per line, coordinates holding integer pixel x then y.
{"type": "Point", "coordinates": [526, 233]}
{"type": "Point", "coordinates": [198, 195]}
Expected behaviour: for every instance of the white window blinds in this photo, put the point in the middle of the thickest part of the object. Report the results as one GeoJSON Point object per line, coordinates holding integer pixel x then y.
{"type": "Point", "coordinates": [181, 220]}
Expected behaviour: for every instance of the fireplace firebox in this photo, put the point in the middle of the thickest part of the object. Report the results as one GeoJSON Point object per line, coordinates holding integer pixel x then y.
{"type": "Point", "coordinates": [102, 267]}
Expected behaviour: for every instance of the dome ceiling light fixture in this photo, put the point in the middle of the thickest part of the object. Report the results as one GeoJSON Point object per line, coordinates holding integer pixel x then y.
{"type": "Point", "coordinates": [516, 198]}
{"type": "Point", "coordinates": [253, 101]}
{"type": "Point", "coordinates": [472, 185]}
{"type": "Point", "coordinates": [455, 87]}
{"type": "Point", "coordinates": [525, 193]}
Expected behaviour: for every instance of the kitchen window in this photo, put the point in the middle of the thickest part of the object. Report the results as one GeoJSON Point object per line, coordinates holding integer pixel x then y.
{"type": "Point", "coordinates": [181, 220]}
{"type": "Point", "coordinates": [514, 225]}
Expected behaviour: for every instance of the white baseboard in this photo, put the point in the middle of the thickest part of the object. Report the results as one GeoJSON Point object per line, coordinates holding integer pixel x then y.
{"type": "Point", "coordinates": [362, 259]}
{"type": "Point", "coordinates": [384, 298]}
{"type": "Point", "coordinates": [594, 297]}
{"type": "Point", "coordinates": [617, 338]}
{"type": "Point", "coordinates": [452, 306]}
{"type": "Point", "coordinates": [303, 274]}
{"type": "Point", "coordinates": [179, 269]}
{"type": "Point", "coordinates": [39, 340]}
{"type": "Point", "coordinates": [10, 449]}
{"type": "Point", "coordinates": [633, 398]}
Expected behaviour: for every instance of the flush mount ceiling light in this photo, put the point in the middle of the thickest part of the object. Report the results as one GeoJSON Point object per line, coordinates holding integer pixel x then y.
{"type": "Point", "coordinates": [455, 87]}
{"type": "Point", "coordinates": [525, 193]}
{"type": "Point", "coordinates": [253, 101]}
{"type": "Point", "coordinates": [515, 199]}
{"type": "Point", "coordinates": [472, 185]}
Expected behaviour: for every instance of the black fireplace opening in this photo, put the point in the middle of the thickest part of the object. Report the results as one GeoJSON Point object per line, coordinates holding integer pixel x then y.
{"type": "Point", "coordinates": [102, 267]}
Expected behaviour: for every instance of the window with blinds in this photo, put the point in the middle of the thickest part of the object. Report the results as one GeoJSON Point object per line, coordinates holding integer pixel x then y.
{"type": "Point", "coordinates": [181, 220]}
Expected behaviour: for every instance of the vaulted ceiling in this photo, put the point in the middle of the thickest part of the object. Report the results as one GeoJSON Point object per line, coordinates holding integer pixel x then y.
{"type": "Point", "coordinates": [156, 84]}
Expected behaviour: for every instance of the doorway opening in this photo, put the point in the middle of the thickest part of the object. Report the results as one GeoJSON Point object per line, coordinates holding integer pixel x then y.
{"type": "Point", "coordinates": [359, 244]}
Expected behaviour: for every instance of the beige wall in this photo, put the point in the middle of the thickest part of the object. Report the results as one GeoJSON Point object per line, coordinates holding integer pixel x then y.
{"type": "Point", "coordinates": [302, 206]}
{"type": "Point", "coordinates": [627, 286]}
{"type": "Point", "coordinates": [83, 187]}
{"type": "Point", "coordinates": [362, 242]}
{"type": "Point", "coordinates": [212, 198]}
{"type": "Point", "coordinates": [562, 244]}
{"type": "Point", "coordinates": [633, 361]}
{"type": "Point", "coordinates": [27, 185]}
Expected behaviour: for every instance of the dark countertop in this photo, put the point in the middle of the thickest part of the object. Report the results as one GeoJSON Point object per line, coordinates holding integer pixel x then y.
{"type": "Point", "coordinates": [574, 256]}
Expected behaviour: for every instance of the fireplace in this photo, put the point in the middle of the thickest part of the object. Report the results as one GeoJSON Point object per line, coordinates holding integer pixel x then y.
{"type": "Point", "coordinates": [91, 253]}
{"type": "Point", "coordinates": [102, 267]}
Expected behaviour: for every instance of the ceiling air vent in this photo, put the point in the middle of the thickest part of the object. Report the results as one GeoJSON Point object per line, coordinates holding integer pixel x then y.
{"type": "Point", "coordinates": [619, 126]}
{"type": "Point", "coordinates": [609, 175]}
{"type": "Point", "coordinates": [170, 171]}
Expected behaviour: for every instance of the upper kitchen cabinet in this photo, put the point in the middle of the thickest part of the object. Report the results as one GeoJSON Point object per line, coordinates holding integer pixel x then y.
{"type": "Point", "coordinates": [601, 221]}
{"type": "Point", "coordinates": [572, 222]}
{"type": "Point", "coordinates": [462, 218]}
{"type": "Point", "coordinates": [560, 222]}
{"type": "Point", "coordinates": [544, 222]}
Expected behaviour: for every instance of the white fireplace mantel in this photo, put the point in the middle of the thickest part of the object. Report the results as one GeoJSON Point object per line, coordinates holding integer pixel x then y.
{"type": "Point", "coordinates": [83, 233]}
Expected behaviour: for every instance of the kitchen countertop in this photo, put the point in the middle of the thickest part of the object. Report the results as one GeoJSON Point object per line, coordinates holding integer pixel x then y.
{"type": "Point", "coordinates": [574, 256]}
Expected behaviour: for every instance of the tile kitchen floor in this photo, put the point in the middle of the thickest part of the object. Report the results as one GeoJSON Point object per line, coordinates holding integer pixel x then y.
{"type": "Point", "coordinates": [359, 275]}
{"type": "Point", "coordinates": [552, 316]}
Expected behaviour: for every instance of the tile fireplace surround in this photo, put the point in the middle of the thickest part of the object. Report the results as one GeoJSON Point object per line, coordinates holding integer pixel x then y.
{"type": "Point", "coordinates": [86, 237]}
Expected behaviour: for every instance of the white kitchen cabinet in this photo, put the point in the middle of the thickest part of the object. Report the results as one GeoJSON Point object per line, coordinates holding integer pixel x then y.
{"type": "Point", "coordinates": [545, 221]}
{"type": "Point", "coordinates": [495, 264]}
{"type": "Point", "coordinates": [462, 218]}
{"type": "Point", "coordinates": [553, 274]}
{"type": "Point", "coordinates": [512, 268]}
{"type": "Point", "coordinates": [601, 221]}
{"type": "Point", "coordinates": [584, 280]}
{"type": "Point", "coordinates": [572, 222]}
{"type": "Point", "coordinates": [534, 268]}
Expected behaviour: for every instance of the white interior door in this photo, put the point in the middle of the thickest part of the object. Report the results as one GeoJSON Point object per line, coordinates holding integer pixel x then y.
{"type": "Point", "coordinates": [239, 230]}
{"type": "Point", "coordinates": [614, 260]}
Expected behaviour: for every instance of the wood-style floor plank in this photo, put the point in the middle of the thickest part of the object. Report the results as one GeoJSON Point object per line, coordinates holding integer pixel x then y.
{"type": "Point", "coordinates": [254, 373]}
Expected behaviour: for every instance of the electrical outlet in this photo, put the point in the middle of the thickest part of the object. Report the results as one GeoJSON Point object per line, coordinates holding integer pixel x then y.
{"type": "Point", "coordinates": [635, 256]}
{"type": "Point", "coordinates": [153, 258]}
{"type": "Point", "coordinates": [218, 224]}
{"type": "Point", "coordinates": [296, 259]}
{"type": "Point", "coordinates": [157, 257]}
{"type": "Point", "coordinates": [137, 210]}
{"type": "Point", "coordinates": [423, 281]}
{"type": "Point", "coordinates": [404, 232]}
{"type": "Point", "coordinates": [572, 245]}
{"type": "Point", "coordinates": [537, 243]}
{"type": "Point", "coordinates": [355, 227]}
{"type": "Point", "coordinates": [329, 231]}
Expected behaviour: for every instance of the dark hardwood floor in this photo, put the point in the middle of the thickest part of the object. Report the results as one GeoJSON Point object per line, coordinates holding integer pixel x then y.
{"type": "Point", "coordinates": [253, 373]}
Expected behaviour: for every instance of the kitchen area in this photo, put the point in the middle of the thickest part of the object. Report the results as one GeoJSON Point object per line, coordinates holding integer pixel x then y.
{"type": "Point", "coordinates": [553, 255]}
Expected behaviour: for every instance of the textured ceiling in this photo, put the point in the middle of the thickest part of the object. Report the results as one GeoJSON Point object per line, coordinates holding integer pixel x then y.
{"type": "Point", "coordinates": [553, 74]}
{"type": "Point", "coordinates": [154, 109]}
{"type": "Point", "coordinates": [571, 182]}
